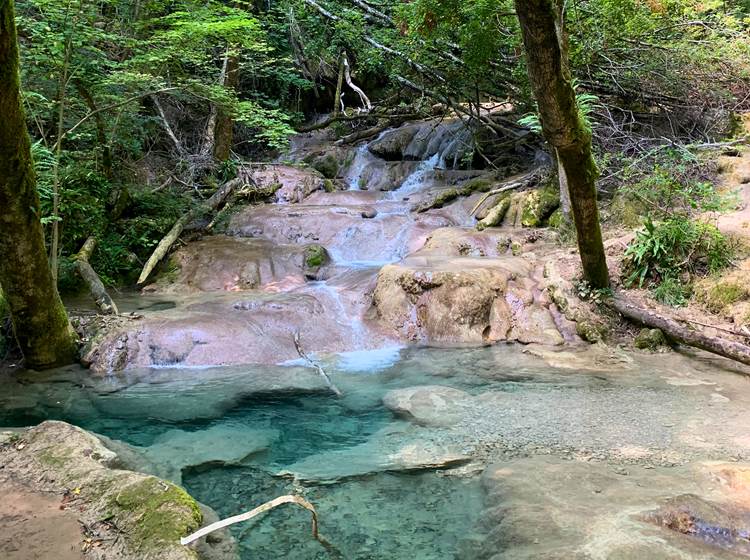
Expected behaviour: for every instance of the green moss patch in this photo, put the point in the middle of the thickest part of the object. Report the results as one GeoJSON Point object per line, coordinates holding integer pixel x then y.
{"type": "Point", "coordinates": [156, 512]}
{"type": "Point", "coordinates": [539, 205]}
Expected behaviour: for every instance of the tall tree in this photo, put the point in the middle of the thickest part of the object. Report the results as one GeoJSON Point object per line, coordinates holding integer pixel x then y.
{"type": "Point", "coordinates": [39, 319]}
{"type": "Point", "coordinates": [565, 129]}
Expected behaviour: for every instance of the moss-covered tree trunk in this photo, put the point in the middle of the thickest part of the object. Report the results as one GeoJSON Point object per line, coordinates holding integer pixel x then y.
{"type": "Point", "coordinates": [39, 319]}
{"type": "Point", "coordinates": [224, 137]}
{"type": "Point", "coordinates": [563, 126]}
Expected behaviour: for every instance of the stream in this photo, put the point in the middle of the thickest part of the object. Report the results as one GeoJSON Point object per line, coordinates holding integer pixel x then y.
{"type": "Point", "coordinates": [442, 445]}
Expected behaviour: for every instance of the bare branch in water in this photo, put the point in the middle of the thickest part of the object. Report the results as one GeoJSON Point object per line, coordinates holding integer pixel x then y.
{"type": "Point", "coordinates": [317, 366]}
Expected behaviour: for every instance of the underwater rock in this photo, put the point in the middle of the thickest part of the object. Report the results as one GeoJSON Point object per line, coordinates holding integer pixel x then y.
{"type": "Point", "coordinates": [369, 213]}
{"type": "Point", "coordinates": [176, 450]}
{"type": "Point", "coordinates": [433, 405]}
{"type": "Point", "coordinates": [390, 449]}
{"type": "Point", "coordinates": [145, 516]}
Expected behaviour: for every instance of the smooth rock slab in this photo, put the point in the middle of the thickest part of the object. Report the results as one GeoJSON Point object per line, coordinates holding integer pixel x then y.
{"type": "Point", "coordinates": [391, 449]}
{"type": "Point", "coordinates": [434, 405]}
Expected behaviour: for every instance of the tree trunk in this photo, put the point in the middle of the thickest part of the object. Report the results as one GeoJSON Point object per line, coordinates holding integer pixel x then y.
{"type": "Point", "coordinates": [96, 288]}
{"type": "Point", "coordinates": [39, 319]}
{"type": "Point", "coordinates": [682, 333]}
{"type": "Point", "coordinates": [339, 84]}
{"type": "Point", "coordinates": [563, 127]}
{"type": "Point", "coordinates": [224, 132]}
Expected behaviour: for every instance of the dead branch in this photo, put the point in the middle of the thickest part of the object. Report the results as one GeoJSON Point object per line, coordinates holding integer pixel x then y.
{"type": "Point", "coordinates": [348, 77]}
{"type": "Point", "coordinates": [516, 182]}
{"type": "Point", "coordinates": [318, 368]}
{"type": "Point", "coordinates": [276, 502]}
{"type": "Point", "coordinates": [211, 205]}
{"type": "Point", "coordinates": [103, 301]}
{"type": "Point", "coordinates": [166, 125]}
{"type": "Point", "coordinates": [681, 333]}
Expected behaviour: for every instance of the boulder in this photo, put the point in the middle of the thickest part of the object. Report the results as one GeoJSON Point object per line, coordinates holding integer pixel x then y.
{"type": "Point", "coordinates": [289, 183]}
{"type": "Point", "coordinates": [146, 516]}
{"type": "Point", "coordinates": [649, 339]}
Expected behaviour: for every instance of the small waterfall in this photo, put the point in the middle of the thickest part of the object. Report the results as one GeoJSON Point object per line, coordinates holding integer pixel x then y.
{"type": "Point", "coordinates": [354, 175]}
{"type": "Point", "coordinates": [414, 182]}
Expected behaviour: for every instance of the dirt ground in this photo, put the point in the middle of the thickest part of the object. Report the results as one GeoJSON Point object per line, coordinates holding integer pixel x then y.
{"type": "Point", "coordinates": [33, 527]}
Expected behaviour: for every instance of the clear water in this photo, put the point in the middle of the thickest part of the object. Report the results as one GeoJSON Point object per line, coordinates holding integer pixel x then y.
{"type": "Point", "coordinates": [246, 425]}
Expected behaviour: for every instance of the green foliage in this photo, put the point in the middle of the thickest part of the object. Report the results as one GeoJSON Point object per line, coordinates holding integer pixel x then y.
{"type": "Point", "coordinates": [676, 245]}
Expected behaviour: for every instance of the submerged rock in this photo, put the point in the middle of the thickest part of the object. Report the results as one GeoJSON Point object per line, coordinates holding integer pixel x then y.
{"type": "Point", "coordinates": [390, 450]}
{"type": "Point", "coordinates": [433, 405]}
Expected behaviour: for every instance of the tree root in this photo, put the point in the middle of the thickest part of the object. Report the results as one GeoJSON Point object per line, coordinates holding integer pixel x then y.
{"type": "Point", "coordinates": [318, 368]}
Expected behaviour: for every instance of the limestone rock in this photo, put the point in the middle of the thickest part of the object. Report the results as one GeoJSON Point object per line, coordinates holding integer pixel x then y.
{"type": "Point", "coordinates": [433, 405]}
{"type": "Point", "coordinates": [290, 183]}
{"type": "Point", "coordinates": [150, 514]}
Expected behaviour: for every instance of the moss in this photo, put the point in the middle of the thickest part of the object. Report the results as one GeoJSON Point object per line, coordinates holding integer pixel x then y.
{"type": "Point", "coordinates": [56, 457]}
{"type": "Point", "coordinates": [589, 331]}
{"type": "Point", "coordinates": [719, 296]}
{"type": "Point", "coordinates": [444, 197]}
{"type": "Point", "coordinates": [495, 215]}
{"type": "Point", "coordinates": [539, 205]}
{"type": "Point", "coordinates": [626, 211]}
{"type": "Point", "coordinates": [516, 248]}
{"type": "Point", "coordinates": [649, 339]}
{"type": "Point", "coordinates": [315, 256]}
{"type": "Point", "coordinates": [480, 184]}
{"type": "Point", "coordinates": [328, 186]}
{"type": "Point", "coordinates": [327, 165]}
{"type": "Point", "coordinates": [157, 512]}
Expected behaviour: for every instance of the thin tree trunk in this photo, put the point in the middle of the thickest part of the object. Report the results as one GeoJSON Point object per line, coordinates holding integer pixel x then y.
{"type": "Point", "coordinates": [39, 319]}
{"type": "Point", "coordinates": [348, 77]}
{"type": "Point", "coordinates": [96, 287]}
{"type": "Point", "coordinates": [224, 133]}
{"type": "Point", "coordinates": [216, 200]}
{"type": "Point", "coordinates": [564, 128]}
{"type": "Point", "coordinates": [337, 108]}
{"type": "Point", "coordinates": [564, 192]}
{"type": "Point", "coordinates": [101, 128]}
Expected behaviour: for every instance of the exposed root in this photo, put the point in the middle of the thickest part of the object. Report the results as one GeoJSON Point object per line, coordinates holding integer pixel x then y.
{"type": "Point", "coordinates": [317, 366]}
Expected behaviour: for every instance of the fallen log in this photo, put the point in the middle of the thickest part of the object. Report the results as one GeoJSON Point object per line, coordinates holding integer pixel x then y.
{"type": "Point", "coordinates": [103, 300]}
{"type": "Point", "coordinates": [682, 333]}
{"type": "Point", "coordinates": [212, 204]}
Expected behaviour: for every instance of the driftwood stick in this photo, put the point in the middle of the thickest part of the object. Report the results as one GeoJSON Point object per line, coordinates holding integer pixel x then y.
{"type": "Point", "coordinates": [516, 182]}
{"type": "Point", "coordinates": [216, 200]}
{"type": "Point", "coordinates": [288, 499]}
{"type": "Point", "coordinates": [318, 368]}
{"type": "Point", "coordinates": [348, 77]}
{"type": "Point", "coordinates": [103, 301]}
{"type": "Point", "coordinates": [679, 332]}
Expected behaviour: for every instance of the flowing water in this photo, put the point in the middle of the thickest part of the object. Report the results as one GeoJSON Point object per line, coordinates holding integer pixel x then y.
{"type": "Point", "coordinates": [286, 421]}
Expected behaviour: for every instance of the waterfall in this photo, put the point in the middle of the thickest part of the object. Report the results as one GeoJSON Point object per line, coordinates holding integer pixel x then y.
{"type": "Point", "coordinates": [414, 182]}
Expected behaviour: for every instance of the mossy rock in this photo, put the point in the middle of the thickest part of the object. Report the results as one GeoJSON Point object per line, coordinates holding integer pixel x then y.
{"type": "Point", "coordinates": [649, 339]}
{"type": "Point", "coordinates": [626, 211]}
{"type": "Point", "coordinates": [539, 205]}
{"type": "Point", "coordinates": [590, 331]}
{"type": "Point", "coordinates": [315, 258]}
{"type": "Point", "coordinates": [155, 512]}
{"type": "Point", "coordinates": [479, 184]}
{"type": "Point", "coordinates": [556, 219]}
{"type": "Point", "coordinates": [496, 214]}
{"type": "Point", "coordinates": [328, 186]}
{"type": "Point", "coordinates": [327, 165]}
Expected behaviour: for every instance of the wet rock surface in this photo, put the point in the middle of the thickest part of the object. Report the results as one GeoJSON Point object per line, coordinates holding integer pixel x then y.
{"type": "Point", "coordinates": [127, 514]}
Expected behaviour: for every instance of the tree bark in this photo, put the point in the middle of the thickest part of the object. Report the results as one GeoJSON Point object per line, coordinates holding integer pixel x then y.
{"type": "Point", "coordinates": [103, 301]}
{"type": "Point", "coordinates": [337, 108]}
{"type": "Point", "coordinates": [563, 127]}
{"type": "Point", "coordinates": [224, 134]}
{"type": "Point", "coordinates": [39, 320]}
{"type": "Point", "coordinates": [682, 333]}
